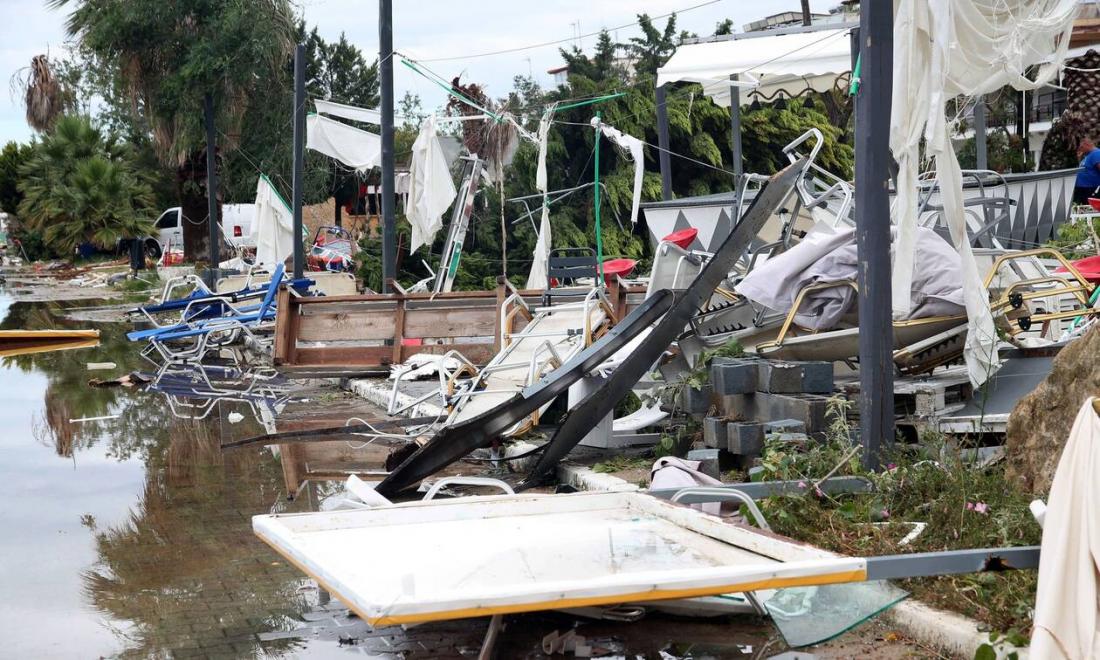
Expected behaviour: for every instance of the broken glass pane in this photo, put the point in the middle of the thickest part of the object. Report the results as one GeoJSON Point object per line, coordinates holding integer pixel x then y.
{"type": "Point", "coordinates": [811, 615]}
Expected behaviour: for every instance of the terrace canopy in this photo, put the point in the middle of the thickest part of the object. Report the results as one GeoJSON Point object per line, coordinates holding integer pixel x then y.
{"type": "Point", "coordinates": [764, 61]}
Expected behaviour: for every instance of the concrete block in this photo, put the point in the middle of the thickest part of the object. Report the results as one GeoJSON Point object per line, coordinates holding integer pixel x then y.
{"type": "Point", "coordinates": [799, 439]}
{"type": "Point", "coordinates": [741, 407]}
{"type": "Point", "coordinates": [709, 460]}
{"type": "Point", "coordinates": [733, 376]}
{"type": "Point", "coordinates": [817, 377]}
{"type": "Point", "coordinates": [779, 377]}
{"type": "Point", "coordinates": [695, 401]}
{"type": "Point", "coordinates": [744, 438]}
{"type": "Point", "coordinates": [806, 408]}
{"type": "Point", "coordinates": [784, 426]}
{"type": "Point", "coordinates": [714, 432]}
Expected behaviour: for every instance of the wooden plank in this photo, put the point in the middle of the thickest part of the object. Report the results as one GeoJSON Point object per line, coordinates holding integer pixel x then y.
{"type": "Point", "coordinates": [346, 327]}
{"type": "Point", "coordinates": [479, 354]}
{"type": "Point", "coordinates": [283, 339]}
{"type": "Point", "coordinates": [398, 332]}
{"type": "Point", "coordinates": [450, 323]}
{"type": "Point", "coordinates": [358, 356]}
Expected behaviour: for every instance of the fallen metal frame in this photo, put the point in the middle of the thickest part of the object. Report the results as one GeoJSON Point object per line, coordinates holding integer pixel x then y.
{"type": "Point", "coordinates": [603, 400]}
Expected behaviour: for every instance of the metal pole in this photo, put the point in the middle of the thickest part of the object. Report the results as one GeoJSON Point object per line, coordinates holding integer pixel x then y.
{"type": "Point", "coordinates": [662, 144]}
{"type": "Point", "coordinates": [385, 54]}
{"type": "Point", "coordinates": [299, 156]}
{"type": "Point", "coordinates": [596, 196]}
{"type": "Point", "coordinates": [211, 189]}
{"type": "Point", "coordinates": [735, 137]}
{"type": "Point", "coordinates": [872, 209]}
{"type": "Point", "coordinates": [981, 160]}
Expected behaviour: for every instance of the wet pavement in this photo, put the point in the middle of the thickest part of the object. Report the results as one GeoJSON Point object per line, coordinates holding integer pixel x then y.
{"type": "Point", "coordinates": [131, 536]}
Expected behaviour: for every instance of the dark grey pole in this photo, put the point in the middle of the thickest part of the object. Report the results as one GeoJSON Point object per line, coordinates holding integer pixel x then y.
{"type": "Point", "coordinates": [662, 145]}
{"type": "Point", "coordinates": [299, 156]}
{"type": "Point", "coordinates": [385, 54]}
{"type": "Point", "coordinates": [872, 208]}
{"type": "Point", "coordinates": [981, 160]}
{"type": "Point", "coordinates": [806, 19]}
{"type": "Point", "coordinates": [853, 37]}
{"type": "Point", "coordinates": [211, 188]}
{"type": "Point", "coordinates": [735, 137]}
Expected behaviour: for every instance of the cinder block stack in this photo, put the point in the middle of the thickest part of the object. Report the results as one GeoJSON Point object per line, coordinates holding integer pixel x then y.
{"type": "Point", "coordinates": [755, 399]}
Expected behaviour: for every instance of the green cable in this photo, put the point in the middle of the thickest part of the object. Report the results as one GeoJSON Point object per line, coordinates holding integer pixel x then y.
{"type": "Point", "coordinates": [451, 91]}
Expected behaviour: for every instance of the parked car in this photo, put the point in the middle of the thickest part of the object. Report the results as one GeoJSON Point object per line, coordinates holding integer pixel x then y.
{"type": "Point", "coordinates": [236, 222]}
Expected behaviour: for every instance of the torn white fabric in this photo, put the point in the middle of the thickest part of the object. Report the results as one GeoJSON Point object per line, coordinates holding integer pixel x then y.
{"type": "Point", "coordinates": [637, 154]}
{"type": "Point", "coordinates": [1067, 610]}
{"type": "Point", "coordinates": [949, 48]}
{"type": "Point", "coordinates": [355, 113]}
{"type": "Point", "coordinates": [543, 136]}
{"type": "Point", "coordinates": [830, 255]}
{"type": "Point", "coordinates": [431, 189]}
{"type": "Point", "coordinates": [274, 225]}
{"type": "Point", "coordinates": [358, 149]}
{"type": "Point", "coordinates": [537, 278]}
{"type": "Point", "coordinates": [333, 109]}
{"type": "Point", "coordinates": [422, 365]}
{"type": "Point", "coordinates": [672, 472]}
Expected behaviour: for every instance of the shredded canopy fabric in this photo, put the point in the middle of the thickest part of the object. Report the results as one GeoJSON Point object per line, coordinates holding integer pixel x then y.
{"type": "Point", "coordinates": [949, 48]}
{"type": "Point", "coordinates": [358, 149]}
{"type": "Point", "coordinates": [431, 190]}
{"type": "Point", "coordinates": [830, 255]}
{"type": "Point", "coordinates": [274, 225]}
{"type": "Point", "coordinates": [634, 147]}
{"type": "Point", "coordinates": [1067, 612]}
{"type": "Point", "coordinates": [355, 113]}
{"type": "Point", "coordinates": [540, 256]}
{"type": "Point", "coordinates": [537, 278]}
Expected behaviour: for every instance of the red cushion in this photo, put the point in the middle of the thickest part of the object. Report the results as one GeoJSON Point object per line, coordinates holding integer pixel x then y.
{"type": "Point", "coordinates": [620, 267]}
{"type": "Point", "coordinates": [682, 238]}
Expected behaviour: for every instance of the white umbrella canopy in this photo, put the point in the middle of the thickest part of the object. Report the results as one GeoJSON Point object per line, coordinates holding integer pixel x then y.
{"type": "Point", "coordinates": [764, 63]}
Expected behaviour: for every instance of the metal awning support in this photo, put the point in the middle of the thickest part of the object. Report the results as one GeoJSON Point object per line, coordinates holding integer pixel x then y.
{"type": "Point", "coordinates": [735, 138]}
{"type": "Point", "coordinates": [981, 161]}
{"type": "Point", "coordinates": [662, 145]}
{"type": "Point", "coordinates": [952, 562]}
{"type": "Point", "coordinates": [872, 211]}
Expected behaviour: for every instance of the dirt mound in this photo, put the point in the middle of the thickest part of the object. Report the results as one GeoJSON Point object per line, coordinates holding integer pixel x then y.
{"type": "Point", "coordinates": [1040, 423]}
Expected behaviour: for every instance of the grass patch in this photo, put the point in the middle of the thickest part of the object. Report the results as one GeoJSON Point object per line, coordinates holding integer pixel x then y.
{"type": "Point", "coordinates": [964, 506]}
{"type": "Point", "coordinates": [621, 463]}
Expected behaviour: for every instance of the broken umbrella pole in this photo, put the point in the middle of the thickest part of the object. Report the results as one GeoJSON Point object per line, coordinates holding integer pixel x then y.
{"type": "Point", "coordinates": [452, 443]}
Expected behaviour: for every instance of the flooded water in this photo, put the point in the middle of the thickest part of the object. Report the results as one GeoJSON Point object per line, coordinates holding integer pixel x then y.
{"type": "Point", "coordinates": [132, 535]}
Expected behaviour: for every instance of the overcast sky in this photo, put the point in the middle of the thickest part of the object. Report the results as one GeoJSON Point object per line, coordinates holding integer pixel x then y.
{"type": "Point", "coordinates": [423, 29]}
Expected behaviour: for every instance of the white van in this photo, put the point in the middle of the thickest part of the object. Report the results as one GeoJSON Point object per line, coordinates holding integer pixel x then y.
{"type": "Point", "coordinates": [236, 221]}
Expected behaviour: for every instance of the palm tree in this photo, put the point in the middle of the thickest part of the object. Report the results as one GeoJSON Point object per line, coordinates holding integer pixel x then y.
{"type": "Point", "coordinates": [168, 56]}
{"type": "Point", "coordinates": [43, 95]}
{"type": "Point", "coordinates": [80, 187]}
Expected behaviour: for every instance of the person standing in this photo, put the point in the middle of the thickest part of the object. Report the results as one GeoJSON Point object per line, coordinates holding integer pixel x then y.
{"type": "Point", "coordinates": [1088, 178]}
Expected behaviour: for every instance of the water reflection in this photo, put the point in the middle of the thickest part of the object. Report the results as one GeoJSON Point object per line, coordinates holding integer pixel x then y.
{"type": "Point", "coordinates": [150, 539]}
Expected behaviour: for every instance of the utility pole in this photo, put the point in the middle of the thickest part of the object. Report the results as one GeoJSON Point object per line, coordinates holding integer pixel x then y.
{"type": "Point", "coordinates": [211, 189]}
{"type": "Point", "coordinates": [299, 156]}
{"type": "Point", "coordinates": [872, 209]}
{"type": "Point", "coordinates": [389, 229]}
{"type": "Point", "coordinates": [806, 18]}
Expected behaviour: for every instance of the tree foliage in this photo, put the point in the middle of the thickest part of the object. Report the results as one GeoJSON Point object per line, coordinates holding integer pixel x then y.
{"type": "Point", "coordinates": [12, 158]}
{"type": "Point", "coordinates": [78, 187]}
